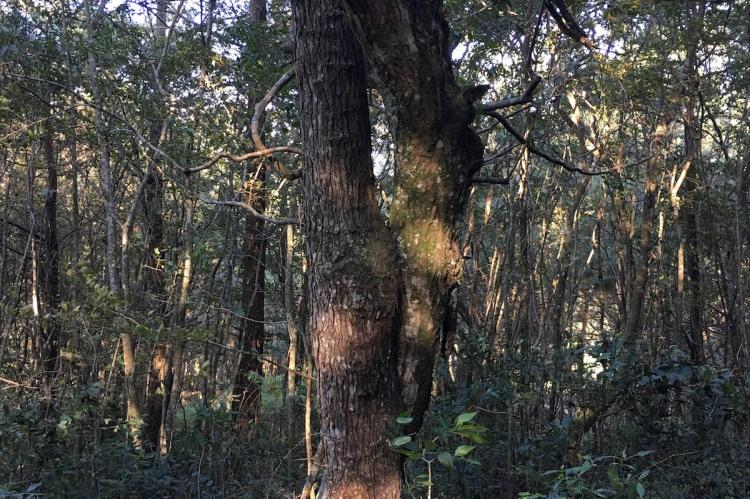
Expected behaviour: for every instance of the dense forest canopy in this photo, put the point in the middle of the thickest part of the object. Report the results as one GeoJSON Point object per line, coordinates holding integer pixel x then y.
{"type": "Point", "coordinates": [339, 248]}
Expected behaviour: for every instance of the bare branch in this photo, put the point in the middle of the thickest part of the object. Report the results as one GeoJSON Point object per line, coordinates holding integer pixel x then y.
{"type": "Point", "coordinates": [512, 101]}
{"type": "Point", "coordinates": [492, 180]}
{"type": "Point", "coordinates": [260, 107]}
{"type": "Point", "coordinates": [231, 157]}
{"type": "Point", "coordinates": [504, 152]}
{"type": "Point", "coordinates": [552, 159]}
{"type": "Point", "coordinates": [254, 212]}
{"type": "Point", "coordinates": [567, 23]}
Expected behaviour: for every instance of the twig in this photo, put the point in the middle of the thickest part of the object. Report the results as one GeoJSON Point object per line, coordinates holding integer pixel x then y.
{"type": "Point", "coordinates": [14, 383]}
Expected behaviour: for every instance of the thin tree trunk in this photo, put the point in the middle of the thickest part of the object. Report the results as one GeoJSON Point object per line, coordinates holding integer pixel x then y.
{"type": "Point", "coordinates": [291, 323]}
{"type": "Point", "coordinates": [246, 400]}
{"type": "Point", "coordinates": [51, 268]}
{"type": "Point", "coordinates": [158, 381]}
{"type": "Point", "coordinates": [105, 172]}
{"type": "Point", "coordinates": [180, 314]}
{"type": "Point", "coordinates": [639, 284]}
{"type": "Point", "coordinates": [693, 132]}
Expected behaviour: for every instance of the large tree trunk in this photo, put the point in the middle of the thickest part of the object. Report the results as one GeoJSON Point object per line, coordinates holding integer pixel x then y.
{"type": "Point", "coordinates": [437, 153]}
{"type": "Point", "coordinates": [354, 281]}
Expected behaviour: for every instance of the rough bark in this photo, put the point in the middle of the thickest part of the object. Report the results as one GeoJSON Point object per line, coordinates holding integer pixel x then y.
{"type": "Point", "coordinates": [436, 155]}
{"type": "Point", "coordinates": [353, 281]}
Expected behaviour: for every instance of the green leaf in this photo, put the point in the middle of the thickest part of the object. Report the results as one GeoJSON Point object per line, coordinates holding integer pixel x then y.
{"type": "Point", "coordinates": [410, 454]}
{"type": "Point", "coordinates": [465, 418]}
{"type": "Point", "coordinates": [585, 467]}
{"type": "Point", "coordinates": [404, 419]}
{"type": "Point", "coordinates": [423, 480]}
{"type": "Point", "coordinates": [446, 459]}
{"type": "Point", "coordinates": [401, 441]}
{"type": "Point", "coordinates": [614, 479]}
{"type": "Point", "coordinates": [462, 450]}
{"type": "Point", "coordinates": [479, 439]}
{"type": "Point", "coordinates": [640, 489]}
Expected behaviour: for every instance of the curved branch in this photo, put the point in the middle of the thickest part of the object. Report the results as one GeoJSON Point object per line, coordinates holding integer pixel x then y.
{"type": "Point", "coordinates": [512, 101]}
{"type": "Point", "coordinates": [532, 149]}
{"type": "Point", "coordinates": [260, 107]}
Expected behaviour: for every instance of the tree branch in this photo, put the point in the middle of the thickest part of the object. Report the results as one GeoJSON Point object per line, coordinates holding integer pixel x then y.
{"type": "Point", "coordinates": [492, 180]}
{"type": "Point", "coordinates": [532, 149]}
{"type": "Point", "coordinates": [286, 173]}
{"type": "Point", "coordinates": [567, 23]}
{"type": "Point", "coordinates": [232, 157]}
{"type": "Point", "coordinates": [512, 101]}
{"type": "Point", "coordinates": [260, 107]}
{"type": "Point", "coordinates": [254, 212]}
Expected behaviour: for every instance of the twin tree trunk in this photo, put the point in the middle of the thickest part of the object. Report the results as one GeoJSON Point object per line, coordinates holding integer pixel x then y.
{"type": "Point", "coordinates": [375, 315]}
